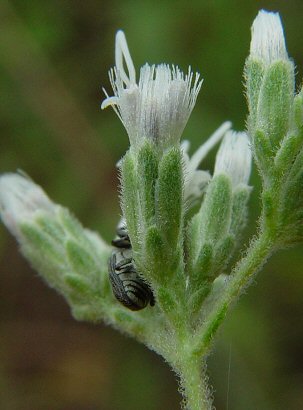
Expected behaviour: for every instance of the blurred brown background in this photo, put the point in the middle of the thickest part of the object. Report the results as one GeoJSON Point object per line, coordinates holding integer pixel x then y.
{"type": "Point", "coordinates": [54, 58]}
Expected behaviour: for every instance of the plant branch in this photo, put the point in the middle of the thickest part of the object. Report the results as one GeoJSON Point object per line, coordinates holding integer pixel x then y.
{"type": "Point", "coordinates": [258, 252]}
{"type": "Point", "coordinates": [194, 384]}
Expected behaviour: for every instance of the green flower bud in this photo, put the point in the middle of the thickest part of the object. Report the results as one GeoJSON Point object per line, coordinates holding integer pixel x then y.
{"type": "Point", "coordinates": [214, 231]}
{"type": "Point", "coordinates": [169, 196]}
{"type": "Point", "coordinates": [275, 101]}
{"type": "Point", "coordinates": [147, 173]}
{"type": "Point", "coordinates": [68, 257]}
{"type": "Point", "coordinates": [269, 75]}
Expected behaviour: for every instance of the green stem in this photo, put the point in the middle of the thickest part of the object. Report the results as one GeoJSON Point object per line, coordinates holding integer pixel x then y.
{"type": "Point", "coordinates": [258, 252]}
{"type": "Point", "coordinates": [194, 384]}
{"type": "Point", "coordinates": [192, 369]}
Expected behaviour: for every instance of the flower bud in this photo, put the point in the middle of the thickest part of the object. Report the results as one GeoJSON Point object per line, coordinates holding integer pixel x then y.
{"type": "Point", "coordinates": [267, 38]}
{"type": "Point", "coordinates": [21, 200]}
{"type": "Point", "coordinates": [196, 180]}
{"type": "Point", "coordinates": [269, 75]}
{"type": "Point", "coordinates": [214, 231]}
{"type": "Point", "coordinates": [71, 259]}
{"type": "Point", "coordinates": [234, 158]}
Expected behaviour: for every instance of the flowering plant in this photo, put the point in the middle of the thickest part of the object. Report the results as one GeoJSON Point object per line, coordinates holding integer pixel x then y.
{"type": "Point", "coordinates": [169, 265]}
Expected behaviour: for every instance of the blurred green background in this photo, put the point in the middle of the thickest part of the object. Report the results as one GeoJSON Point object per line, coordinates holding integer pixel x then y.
{"type": "Point", "coordinates": [54, 58]}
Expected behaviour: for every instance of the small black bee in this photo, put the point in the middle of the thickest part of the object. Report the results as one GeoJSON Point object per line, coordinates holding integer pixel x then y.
{"type": "Point", "coordinates": [128, 286]}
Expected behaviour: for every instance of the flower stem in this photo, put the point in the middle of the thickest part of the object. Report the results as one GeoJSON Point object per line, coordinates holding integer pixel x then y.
{"type": "Point", "coordinates": [258, 252]}
{"type": "Point", "coordinates": [194, 384]}
{"type": "Point", "coordinates": [192, 369]}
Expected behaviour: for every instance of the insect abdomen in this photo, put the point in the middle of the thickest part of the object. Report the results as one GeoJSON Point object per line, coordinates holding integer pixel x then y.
{"type": "Point", "coordinates": [128, 287]}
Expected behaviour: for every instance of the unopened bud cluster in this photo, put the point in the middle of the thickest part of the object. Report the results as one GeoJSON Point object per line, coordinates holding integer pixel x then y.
{"type": "Point", "coordinates": [275, 126]}
{"type": "Point", "coordinates": [160, 182]}
{"type": "Point", "coordinates": [70, 258]}
{"type": "Point", "coordinates": [215, 231]}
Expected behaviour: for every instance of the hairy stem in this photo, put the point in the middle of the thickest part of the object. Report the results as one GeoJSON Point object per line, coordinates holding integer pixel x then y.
{"type": "Point", "coordinates": [192, 369]}
{"type": "Point", "coordinates": [258, 252]}
{"type": "Point", "coordinates": [194, 384]}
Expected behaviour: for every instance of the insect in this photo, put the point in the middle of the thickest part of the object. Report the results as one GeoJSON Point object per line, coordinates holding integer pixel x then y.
{"type": "Point", "coordinates": [128, 286]}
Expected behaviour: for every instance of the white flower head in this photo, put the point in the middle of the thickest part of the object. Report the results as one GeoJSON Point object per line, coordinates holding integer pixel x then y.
{"type": "Point", "coordinates": [234, 158]}
{"type": "Point", "coordinates": [268, 41]}
{"type": "Point", "coordinates": [196, 180]}
{"type": "Point", "coordinates": [20, 201]}
{"type": "Point", "coordinates": [159, 105]}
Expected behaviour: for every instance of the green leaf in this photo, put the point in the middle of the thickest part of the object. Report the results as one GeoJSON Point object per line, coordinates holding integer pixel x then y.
{"type": "Point", "coordinates": [167, 300]}
{"type": "Point", "coordinates": [197, 297]}
{"type": "Point", "coordinates": [298, 110]}
{"type": "Point", "coordinates": [239, 209]}
{"type": "Point", "coordinates": [291, 204]}
{"type": "Point", "coordinates": [286, 155]}
{"type": "Point", "coordinates": [40, 243]}
{"type": "Point", "coordinates": [129, 198]}
{"type": "Point", "coordinates": [155, 259]}
{"type": "Point", "coordinates": [80, 259]}
{"type": "Point", "coordinates": [78, 285]}
{"type": "Point", "coordinates": [263, 153]}
{"type": "Point", "coordinates": [147, 173]}
{"type": "Point", "coordinates": [223, 254]}
{"type": "Point", "coordinates": [215, 213]}
{"type": "Point", "coordinates": [253, 74]}
{"type": "Point", "coordinates": [50, 226]}
{"type": "Point", "coordinates": [169, 196]}
{"type": "Point", "coordinates": [275, 101]}
{"type": "Point", "coordinates": [70, 224]}
{"type": "Point", "coordinates": [193, 242]}
{"type": "Point", "coordinates": [204, 263]}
